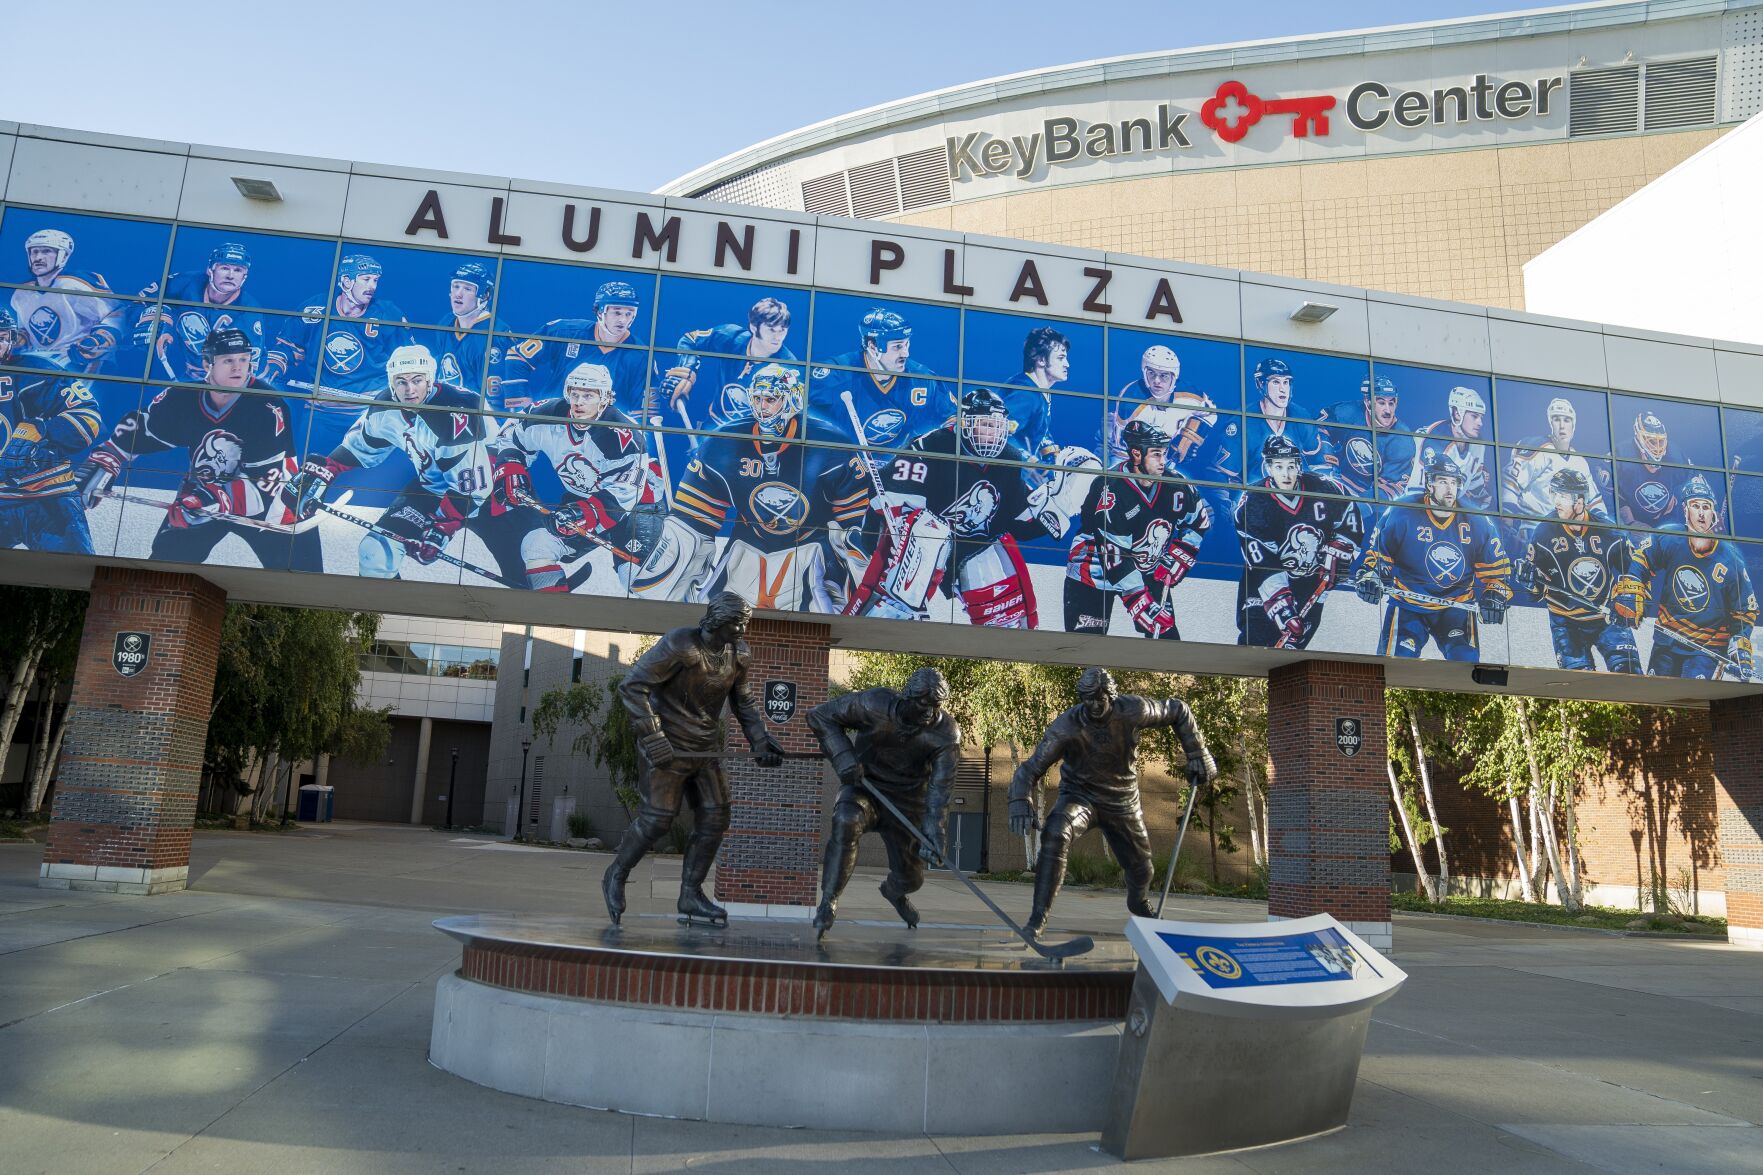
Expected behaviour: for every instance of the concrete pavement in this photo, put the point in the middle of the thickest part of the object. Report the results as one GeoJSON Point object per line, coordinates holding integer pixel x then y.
{"type": "Point", "coordinates": [275, 1017]}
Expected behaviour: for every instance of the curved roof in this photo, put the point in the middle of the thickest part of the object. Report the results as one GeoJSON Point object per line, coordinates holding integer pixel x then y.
{"type": "Point", "coordinates": [977, 95]}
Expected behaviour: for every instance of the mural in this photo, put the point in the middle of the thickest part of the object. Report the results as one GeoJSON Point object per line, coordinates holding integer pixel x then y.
{"type": "Point", "coordinates": [213, 396]}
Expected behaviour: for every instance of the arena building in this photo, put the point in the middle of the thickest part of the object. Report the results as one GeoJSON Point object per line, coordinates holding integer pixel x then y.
{"type": "Point", "coordinates": [1427, 159]}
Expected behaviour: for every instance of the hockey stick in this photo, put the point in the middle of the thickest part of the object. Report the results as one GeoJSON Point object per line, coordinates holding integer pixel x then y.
{"type": "Point", "coordinates": [1082, 944]}
{"type": "Point", "coordinates": [1404, 596]}
{"type": "Point", "coordinates": [375, 528]}
{"type": "Point", "coordinates": [617, 551]}
{"type": "Point", "coordinates": [1175, 853]}
{"type": "Point", "coordinates": [1284, 641]}
{"type": "Point", "coordinates": [235, 519]}
{"type": "Point", "coordinates": [1726, 663]}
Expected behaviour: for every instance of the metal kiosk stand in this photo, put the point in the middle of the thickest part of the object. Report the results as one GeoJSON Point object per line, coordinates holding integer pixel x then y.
{"type": "Point", "coordinates": [1241, 1035]}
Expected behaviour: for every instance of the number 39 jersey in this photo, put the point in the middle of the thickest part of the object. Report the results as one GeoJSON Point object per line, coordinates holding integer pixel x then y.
{"type": "Point", "coordinates": [772, 490]}
{"type": "Point", "coordinates": [442, 437]}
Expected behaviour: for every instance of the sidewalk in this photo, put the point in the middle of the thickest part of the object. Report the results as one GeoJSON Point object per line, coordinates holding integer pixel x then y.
{"type": "Point", "coordinates": [275, 1018]}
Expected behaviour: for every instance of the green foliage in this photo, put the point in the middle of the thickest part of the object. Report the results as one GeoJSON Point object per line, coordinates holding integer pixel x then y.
{"type": "Point", "coordinates": [606, 738]}
{"type": "Point", "coordinates": [1091, 869]}
{"type": "Point", "coordinates": [1604, 917]}
{"type": "Point", "coordinates": [1571, 738]}
{"type": "Point", "coordinates": [581, 825]}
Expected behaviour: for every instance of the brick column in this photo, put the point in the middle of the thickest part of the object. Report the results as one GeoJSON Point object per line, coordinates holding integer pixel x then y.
{"type": "Point", "coordinates": [772, 854]}
{"type": "Point", "coordinates": [125, 799]}
{"type": "Point", "coordinates": [1738, 777]}
{"type": "Point", "coordinates": [1328, 812]}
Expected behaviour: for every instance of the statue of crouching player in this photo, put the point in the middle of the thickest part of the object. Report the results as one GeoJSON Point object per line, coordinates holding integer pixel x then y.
{"type": "Point", "coordinates": [1098, 742]}
{"type": "Point", "coordinates": [904, 744]}
{"type": "Point", "coordinates": [674, 695]}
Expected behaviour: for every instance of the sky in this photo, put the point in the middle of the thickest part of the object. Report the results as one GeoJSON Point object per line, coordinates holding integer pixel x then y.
{"type": "Point", "coordinates": [627, 95]}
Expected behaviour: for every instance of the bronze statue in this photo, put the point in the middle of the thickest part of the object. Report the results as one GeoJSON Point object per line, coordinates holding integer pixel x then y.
{"type": "Point", "coordinates": [904, 745]}
{"type": "Point", "coordinates": [1098, 741]}
{"type": "Point", "coordinates": [675, 694]}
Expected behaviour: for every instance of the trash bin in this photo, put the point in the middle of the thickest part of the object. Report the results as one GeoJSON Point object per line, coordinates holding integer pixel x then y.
{"type": "Point", "coordinates": [315, 803]}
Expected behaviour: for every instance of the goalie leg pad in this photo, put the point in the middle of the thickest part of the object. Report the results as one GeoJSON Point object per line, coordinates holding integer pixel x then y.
{"type": "Point", "coordinates": [907, 564]}
{"type": "Point", "coordinates": [995, 587]}
{"type": "Point", "coordinates": [677, 565]}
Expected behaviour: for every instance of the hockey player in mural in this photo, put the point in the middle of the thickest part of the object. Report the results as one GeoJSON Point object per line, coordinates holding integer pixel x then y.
{"type": "Point", "coordinates": [1700, 591]}
{"type": "Point", "coordinates": [878, 396]}
{"type": "Point", "coordinates": [534, 368]}
{"type": "Point", "coordinates": [1137, 538]}
{"type": "Point", "coordinates": [1573, 566]}
{"type": "Point", "coordinates": [1297, 544]}
{"type": "Point", "coordinates": [707, 383]}
{"type": "Point", "coordinates": [1457, 439]}
{"type": "Point", "coordinates": [46, 421]}
{"type": "Point", "coordinates": [64, 310]}
{"type": "Point", "coordinates": [1442, 570]}
{"type": "Point", "coordinates": [174, 335]}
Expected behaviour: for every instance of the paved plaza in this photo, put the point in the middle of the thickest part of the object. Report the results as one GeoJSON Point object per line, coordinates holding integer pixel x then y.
{"type": "Point", "coordinates": [275, 1018]}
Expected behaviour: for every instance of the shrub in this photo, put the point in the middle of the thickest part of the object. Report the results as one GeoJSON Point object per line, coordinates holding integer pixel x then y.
{"type": "Point", "coordinates": [581, 825]}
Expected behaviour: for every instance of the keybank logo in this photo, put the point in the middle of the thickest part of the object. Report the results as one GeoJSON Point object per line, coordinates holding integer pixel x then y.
{"type": "Point", "coordinates": [1233, 113]}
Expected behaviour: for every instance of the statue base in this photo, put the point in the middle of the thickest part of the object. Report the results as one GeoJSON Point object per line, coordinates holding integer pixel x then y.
{"type": "Point", "coordinates": [938, 1030]}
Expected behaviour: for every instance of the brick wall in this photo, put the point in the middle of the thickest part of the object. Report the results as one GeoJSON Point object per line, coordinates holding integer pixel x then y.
{"type": "Point", "coordinates": [132, 762]}
{"type": "Point", "coordinates": [1737, 728]}
{"type": "Point", "coordinates": [1329, 812]}
{"type": "Point", "coordinates": [772, 853]}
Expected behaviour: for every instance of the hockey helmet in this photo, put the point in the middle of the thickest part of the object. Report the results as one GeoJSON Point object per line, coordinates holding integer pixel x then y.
{"type": "Point", "coordinates": [1269, 369]}
{"type": "Point", "coordinates": [1279, 447]}
{"type": "Point", "coordinates": [1160, 358]}
{"type": "Point", "coordinates": [51, 238]}
{"type": "Point", "coordinates": [979, 408]}
{"type": "Point", "coordinates": [410, 359]}
{"type": "Point", "coordinates": [358, 265]}
{"type": "Point", "coordinates": [1142, 435]}
{"type": "Point", "coordinates": [1466, 400]}
{"type": "Point", "coordinates": [1435, 464]}
{"type": "Point", "coordinates": [1649, 436]}
{"type": "Point", "coordinates": [880, 327]}
{"type": "Point", "coordinates": [9, 326]}
{"type": "Point", "coordinates": [592, 378]}
{"type": "Point", "coordinates": [1698, 488]}
{"type": "Point", "coordinates": [1561, 406]}
{"type": "Point", "coordinates": [226, 341]}
{"type": "Point", "coordinates": [780, 388]}
{"type": "Point", "coordinates": [1570, 481]}
{"type": "Point", "coordinates": [229, 253]}
{"type": "Point", "coordinates": [614, 293]}
{"type": "Point", "coordinates": [479, 275]}
{"type": "Point", "coordinates": [1381, 386]}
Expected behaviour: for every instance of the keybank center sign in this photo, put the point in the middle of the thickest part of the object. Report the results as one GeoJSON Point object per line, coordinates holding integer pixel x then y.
{"type": "Point", "coordinates": [1235, 114]}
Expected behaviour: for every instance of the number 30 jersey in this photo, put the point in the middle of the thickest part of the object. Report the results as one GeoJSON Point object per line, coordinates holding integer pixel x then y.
{"type": "Point", "coordinates": [773, 490]}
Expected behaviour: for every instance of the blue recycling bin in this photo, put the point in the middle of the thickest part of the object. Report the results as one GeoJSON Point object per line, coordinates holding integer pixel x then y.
{"type": "Point", "coordinates": [315, 803]}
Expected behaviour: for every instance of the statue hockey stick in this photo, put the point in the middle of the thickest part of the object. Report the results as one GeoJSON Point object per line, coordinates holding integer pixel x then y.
{"type": "Point", "coordinates": [1175, 853]}
{"type": "Point", "coordinates": [1082, 944]}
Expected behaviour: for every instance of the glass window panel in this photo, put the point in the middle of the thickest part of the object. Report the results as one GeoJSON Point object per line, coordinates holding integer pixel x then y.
{"type": "Point", "coordinates": [1017, 351]}
{"type": "Point", "coordinates": [1532, 415]}
{"type": "Point", "coordinates": [1145, 367]}
{"type": "Point", "coordinates": [81, 254]}
{"type": "Point", "coordinates": [706, 392]}
{"type": "Point", "coordinates": [533, 370]}
{"type": "Point", "coordinates": [261, 271]}
{"type": "Point", "coordinates": [1670, 432]}
{"type": "Point", "coordinates": [1747, 506]}
{"type": "Point", "coordinates": [571, 301]}
{"type": "Point", "coordinates": [389, 284]}
{"type": "Point", "coordinates": [1744, 439]}
{"type": "Point", "coordinates": [1527, 482]}
{"type": "Point", "coordinates": [886, 335]}
{"type": "Point", "coordinates": [738, 320]}
{"type": "Point", "coordinates": [1655, 496]}
{"type": "Point", "coordinates": [1438, 403]}
{"type": "Point", "coordinates": [83, 333]}
{"type": "Point", "coordinates": [890, 410]}
{"type": "Point", "coordinates": [175, 338]}
{"type": "Point", "coordinates": [1301, 385]}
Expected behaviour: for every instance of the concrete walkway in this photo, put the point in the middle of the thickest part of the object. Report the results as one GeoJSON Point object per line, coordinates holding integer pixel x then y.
{"type": "Point", "coordinates": [275, 1017]}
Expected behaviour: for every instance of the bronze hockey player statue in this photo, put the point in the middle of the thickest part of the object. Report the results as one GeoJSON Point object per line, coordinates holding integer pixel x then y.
{"type": "Point", "coordinates": [1098, 740]}
{"type": "Point", "coordinates": [903, 744]}
{"type": "Point", "coordinates": [675, 694]}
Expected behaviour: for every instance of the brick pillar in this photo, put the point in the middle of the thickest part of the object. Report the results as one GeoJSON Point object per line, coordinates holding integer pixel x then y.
{"type": "Point", "coordinates": [1738, 776]}
{"type": "Point", "coordinates": [125, 798]}
{"type": "Point", "coordinates": [1328, 812]}
{"type": "Point", "coordinates": [772, 854]}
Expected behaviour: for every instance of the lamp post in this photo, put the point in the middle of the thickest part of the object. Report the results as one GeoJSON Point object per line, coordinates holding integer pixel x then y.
{"type": "Point", "coordinates": [526, 744]}
{"type": "Point", "coordinates": [452, 782]}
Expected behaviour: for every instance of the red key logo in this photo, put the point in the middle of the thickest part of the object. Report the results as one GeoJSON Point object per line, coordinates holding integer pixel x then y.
{"type": "Point", "coordinates": [1233, 110]}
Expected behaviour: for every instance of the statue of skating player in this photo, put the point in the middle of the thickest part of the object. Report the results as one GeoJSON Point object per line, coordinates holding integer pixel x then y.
{"type": "Point", "coordinates": [1098, 741]}
{"type": "Point", "coordinates": [904, 744]}
{"type": "Point", "coordinates": [675, 694]}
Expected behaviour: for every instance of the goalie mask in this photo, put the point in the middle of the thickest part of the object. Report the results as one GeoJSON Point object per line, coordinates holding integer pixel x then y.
{"type": "Point", "coordinates": [1649, 436]}
{"type": "Point", "coordinates": [588, 391]}
{"type": "Point", "coordinates": [775, 396]}
{"type": "Point", "coordinates": [985, 423]}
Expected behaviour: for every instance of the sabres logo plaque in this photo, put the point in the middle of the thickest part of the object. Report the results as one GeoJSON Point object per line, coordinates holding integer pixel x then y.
{"type": "Point", "coordinates": [130, 652]}
{"type": "Point", "coordinates": [780, 701]}
{"type": "Point", "coordinates": [1349, 735]}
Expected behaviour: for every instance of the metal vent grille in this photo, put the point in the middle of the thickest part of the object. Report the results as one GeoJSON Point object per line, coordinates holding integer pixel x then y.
{"type": "Point", "coordinates": [1681, 93]}
{"type": "Point", "coordinates": [826, 196]}
{"type": "Point", "coordinates": [1605, 101]}
{"type": "Point", "coordinates": [924, 179]}
{"type": "Point", "coordinates": [763, 187]}
{"type": "Point", "coordinates": [874, 190]}
{"type": "Point", "coordinates": [1744, 65]}
{"type": "Point", "coordinates": [538, 781]}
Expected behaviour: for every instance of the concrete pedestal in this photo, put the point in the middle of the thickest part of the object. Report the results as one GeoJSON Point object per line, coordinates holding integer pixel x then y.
{"type": "Point", "coordinates": [125, 798]}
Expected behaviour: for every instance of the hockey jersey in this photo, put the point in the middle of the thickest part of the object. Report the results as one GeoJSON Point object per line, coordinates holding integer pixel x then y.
{"type": "Point", "coordinates": [1449, 554]}
{"type": "Point", "coordinates": [472, 361]}
{"type": "Point", "coordinates": [351, 352]}
{"type": "Point", "coordinates": [1579, 564]}
{"type": "Point", "coordinates": [724, 371]}
{"type": "Point", "coordinates": [1703, 596]}
{"type": "Point", "coordinates": [773, 491]}
{"type": "Point", "coordinates": [178, 331]}
{"type": "Point", "coordinates": [1649, 496]}
{"type": "Point", "coordinates": [1312, 445]}
{"type": "Point", "coordinates": [46, 419]}
{"type": "Point", "coordinates": [600, 460]}
{"type": "Point", "coordinates": [894, 409]}
{"type": "Point", "coordinates": [70, 320]}
{"type": "Point", "coordinates": [1030, 409]}
{"type": "Point", "coordinates": [1470, 458]}
{"type": "Point", "coordinates": [243, 451]}
{"type": "Point", "coordinates": [1127, 524]}
{"type": "Point", "coordinates": [443, 438]}
{"type": "Point", "coordinates": [534, 369]}
{"type": "Point", "coordinates": [1282, 535]}
{"type": "Point", "coordinates": [1525, 483]}
{"type": "Point", "coordinates": [1366, 464]}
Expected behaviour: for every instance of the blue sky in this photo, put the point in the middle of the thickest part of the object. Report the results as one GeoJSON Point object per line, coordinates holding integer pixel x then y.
{"type": "Point", "coordinates": [617, 95]}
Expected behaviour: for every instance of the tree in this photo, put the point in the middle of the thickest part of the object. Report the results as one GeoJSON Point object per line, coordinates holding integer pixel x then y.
{"type": "Point", "coordinates": [32, 622]}
{"type": "Point", "coordinates": [55, 667]}
{"type": "Point", "coordinates": [606, 739]}
{"type": "Point", "coordinates": [285, 691]}
{"type": "Point", "coordinates": [1412, 748]}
